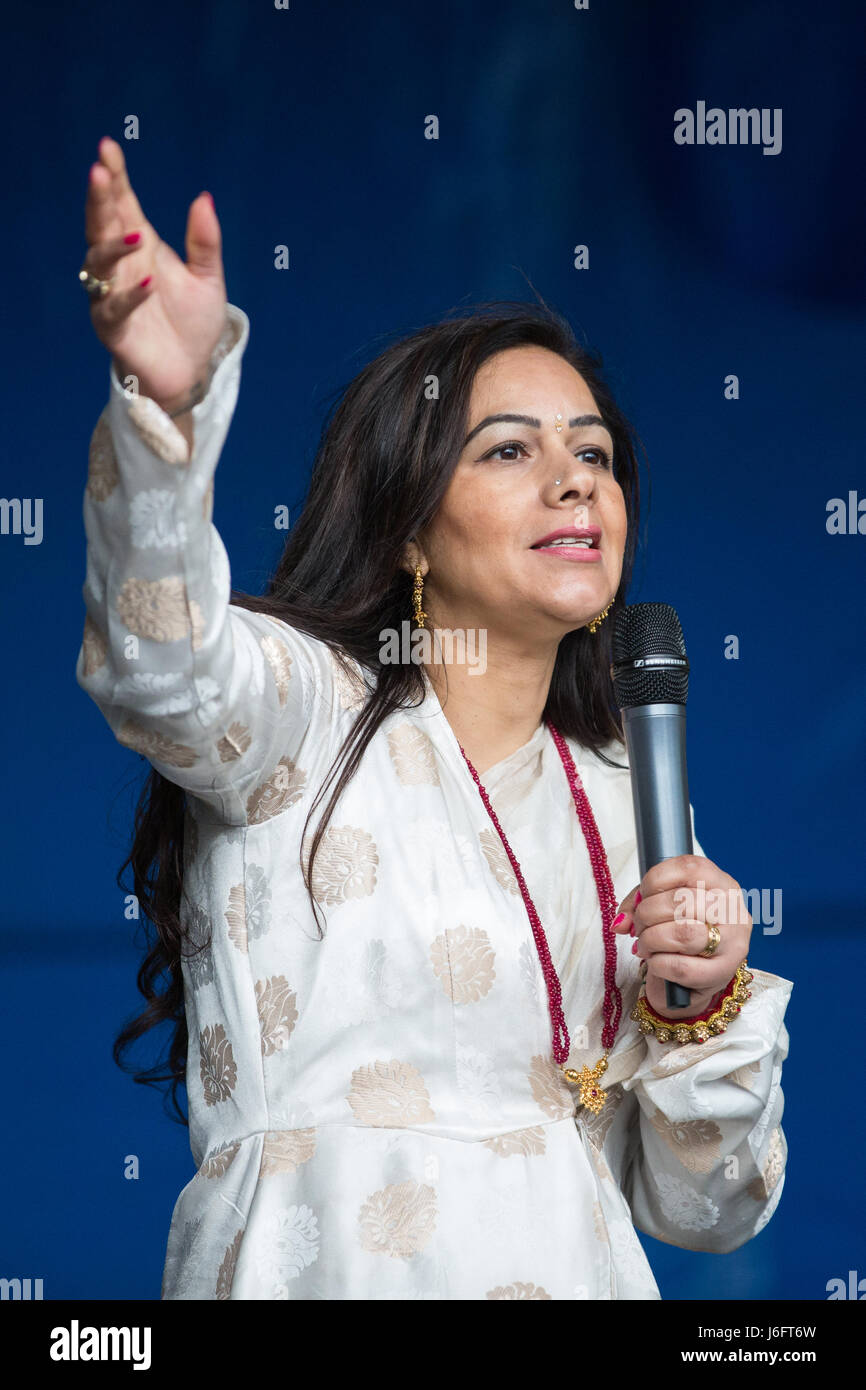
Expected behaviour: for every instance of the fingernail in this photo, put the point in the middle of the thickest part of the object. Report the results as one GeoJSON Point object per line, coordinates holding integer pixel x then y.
{"type": "Point", "coordinates": [146, 281]}
{"type": "Point", "coordinates": [634, 948]}
{"type": "Point", "coordinates": [205, 194]}
{"type": "Point", "coordinates": [132, 238]}
{"type": "Point", "coordinates": [620, 917]}
{"type": "Point", "coordinates": [631, 930]}
{"type": "Point", "coordinates": [637, 899]}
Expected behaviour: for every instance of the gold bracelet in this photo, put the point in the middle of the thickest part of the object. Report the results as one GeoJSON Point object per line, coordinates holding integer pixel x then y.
{"type": "Point", "coordinates": [703, 1026]}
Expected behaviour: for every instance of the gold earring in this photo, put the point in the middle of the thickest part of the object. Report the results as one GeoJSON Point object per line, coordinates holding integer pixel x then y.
{"type": "Point", "coordinates": [420, 615]}
{"type": "Point", "coordinates": [596, 622]}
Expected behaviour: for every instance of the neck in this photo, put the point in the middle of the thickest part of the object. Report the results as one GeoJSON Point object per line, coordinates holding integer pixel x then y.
{"type": "Point", "coordinates": [495, 712]}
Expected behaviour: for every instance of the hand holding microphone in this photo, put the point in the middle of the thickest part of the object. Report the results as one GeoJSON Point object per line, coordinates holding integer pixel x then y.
{"type": "Point", "coordinates": [650, 677]}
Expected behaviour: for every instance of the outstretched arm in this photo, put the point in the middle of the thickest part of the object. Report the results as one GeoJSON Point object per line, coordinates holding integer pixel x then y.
{"type": "Point", "coordinates": [216, 697]}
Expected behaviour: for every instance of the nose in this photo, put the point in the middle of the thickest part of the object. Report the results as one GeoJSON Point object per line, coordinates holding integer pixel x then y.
{"type": "Point", "coordinates": [572, 480]}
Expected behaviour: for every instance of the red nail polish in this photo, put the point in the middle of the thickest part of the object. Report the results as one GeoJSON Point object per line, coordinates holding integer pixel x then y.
{"type": "Point", "coordinates": [631, 930]}
{"type": "Point", "coordinates": [634, 948]}
{"type": "Point", "coordinates": [638, 898]}
{"type": "Point", "coordinates": [620, 917]}
{"type": "Point", "coordinates": [132, 238]}
{"type": "Point", "coordinates": [146, 281]}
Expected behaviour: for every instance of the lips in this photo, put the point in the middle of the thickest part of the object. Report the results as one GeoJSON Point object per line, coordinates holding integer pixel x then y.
{"type": "Point", "coordinates": [571, 533]}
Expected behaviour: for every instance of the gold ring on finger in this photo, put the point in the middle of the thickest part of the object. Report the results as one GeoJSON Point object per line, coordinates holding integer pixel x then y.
{"type": "Point", "coordinates": [96, 288]}
{"type": "Point", "coordinates": [714, 936]}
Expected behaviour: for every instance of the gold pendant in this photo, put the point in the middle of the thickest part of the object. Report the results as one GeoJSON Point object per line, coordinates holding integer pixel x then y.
{"type": "Point", "coordinates": [589, 1081]}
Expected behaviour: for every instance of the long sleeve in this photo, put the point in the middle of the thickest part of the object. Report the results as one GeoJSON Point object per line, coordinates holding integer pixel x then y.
{"type": "Point", "coordinates": [217, 698]}
{"type": "Point", "coordinates": [691, 1135]}
{"type": "Point", "coordinates": [705, 1163]}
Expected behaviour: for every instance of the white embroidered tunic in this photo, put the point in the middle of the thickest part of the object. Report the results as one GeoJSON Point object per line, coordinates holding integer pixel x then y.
{"type": "Point", "coordinates": [376, 1114]}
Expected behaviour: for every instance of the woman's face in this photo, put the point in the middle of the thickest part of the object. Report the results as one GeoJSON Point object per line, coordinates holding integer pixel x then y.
{"type": "Point", "coordinates": [486, 568]}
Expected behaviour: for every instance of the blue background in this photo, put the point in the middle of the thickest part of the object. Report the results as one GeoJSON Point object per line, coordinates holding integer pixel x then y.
{"type": "Point", "coordinates": [556, 129]}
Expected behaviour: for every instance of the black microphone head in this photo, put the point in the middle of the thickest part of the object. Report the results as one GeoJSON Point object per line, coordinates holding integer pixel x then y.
{"type": "Point", "coordinates": [649, 664]}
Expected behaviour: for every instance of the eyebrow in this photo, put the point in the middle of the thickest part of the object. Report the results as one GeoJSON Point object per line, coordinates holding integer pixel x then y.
{"type": "Point", "coordinates": [578, 420]}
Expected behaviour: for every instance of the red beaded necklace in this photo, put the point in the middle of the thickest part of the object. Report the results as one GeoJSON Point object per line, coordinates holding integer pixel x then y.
{"type": "Point", "coordinates": [588, 1078]}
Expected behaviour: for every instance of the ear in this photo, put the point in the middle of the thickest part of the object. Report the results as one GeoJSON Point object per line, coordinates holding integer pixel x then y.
{"type": "Point", "coordinates": [413, 555]}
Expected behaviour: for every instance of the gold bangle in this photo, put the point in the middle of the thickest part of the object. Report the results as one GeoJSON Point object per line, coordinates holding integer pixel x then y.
{"type": "Point", "coordinates": [706, 1025]}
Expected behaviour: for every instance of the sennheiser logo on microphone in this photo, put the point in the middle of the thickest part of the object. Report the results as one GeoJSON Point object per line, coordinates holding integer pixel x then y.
{"type": "Point", "coordinates": [659, 661]}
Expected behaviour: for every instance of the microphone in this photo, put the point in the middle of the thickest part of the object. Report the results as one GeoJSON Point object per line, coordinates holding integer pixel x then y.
{"type": "Point", "coordinates": [650, 673]}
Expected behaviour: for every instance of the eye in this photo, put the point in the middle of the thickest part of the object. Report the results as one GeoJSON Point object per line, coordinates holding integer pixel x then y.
{"type": "Point", "coordinates": [512, 444]}
{"type": "Point", "coordinates": [601, 454]}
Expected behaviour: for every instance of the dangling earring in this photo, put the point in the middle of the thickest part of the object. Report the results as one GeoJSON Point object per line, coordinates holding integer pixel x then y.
{"type": "Point", "coordinates": [596, 622]}
{"type": "Point", "coordinates": [420, 615]}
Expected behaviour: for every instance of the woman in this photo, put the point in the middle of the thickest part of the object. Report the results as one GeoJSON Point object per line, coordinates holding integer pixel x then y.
{"type": "Point", "coordinates": [413, 1066]}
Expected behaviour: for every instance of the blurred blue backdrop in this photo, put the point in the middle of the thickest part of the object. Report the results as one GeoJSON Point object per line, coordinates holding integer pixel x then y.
{"type": "Point", "coordinates": [556, 129]}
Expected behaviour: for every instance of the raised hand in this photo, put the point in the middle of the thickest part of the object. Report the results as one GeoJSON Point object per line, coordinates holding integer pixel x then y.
{"type": "Point", "coordinates": [162, 332]}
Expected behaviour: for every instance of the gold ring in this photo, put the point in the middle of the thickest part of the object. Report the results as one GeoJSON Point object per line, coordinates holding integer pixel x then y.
{"type": "Point", "coordinates": [714, 936]}
{"type": "Point", "coordinates": [96, 288]}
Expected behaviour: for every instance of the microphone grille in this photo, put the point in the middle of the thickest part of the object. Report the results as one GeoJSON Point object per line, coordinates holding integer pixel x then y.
{"type": "Point", "coordinates": [643, 631]}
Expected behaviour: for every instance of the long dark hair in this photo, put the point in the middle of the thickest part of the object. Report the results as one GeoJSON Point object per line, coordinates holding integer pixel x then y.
{"type": "Point", "coordinates": [387, 451]}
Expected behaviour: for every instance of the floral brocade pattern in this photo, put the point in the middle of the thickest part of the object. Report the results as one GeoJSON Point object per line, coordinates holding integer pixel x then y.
{"type": "Point", "coordinates": [218, 1068]}
{"type": "Point", "coordinates": [158, 431]}
{"type": "Point", "coordinates": [275, 1003]}
{"type": "Point", "coordinates": [772, 1169]}
{"type": "Point", "coordinates": [102, 473]}
{"type": "Point", "coordinates": [498, 862]}
{"type": "Point", "coordinates": [550, 1089]}
{"type": "Point", "coordinates": [277, 656]}
{"type": "Point", "coordinates": [683, 1204]}
{"type": "Point", "coordinates": [217, 1164]}
{"type": "Point", "coordinates": [398, 1220]}
{"type": "Point", "coordinates": [155, 746]}
{"type": "Point", "coordinates": [226, 1272]}
{"type": "Point", "coordinates": [286, 1150]}
{"type": "Point", "coordinates": [390, 1093]}
{"type": "Point", "coordinates": [94, 647]}
{"type": "Point", "coordinates": [345, 865]}
{"type": "Point", "coordinates": [160, 610]}
{"type": "Point", "coordinates": [696, 1143]}
{"type": "Point", "coordinates": [282, 789]}
{"type": "Point", "coordinates": [248, 913]}
{"type": "Point", "coordinates": [235, 742]}
{"type": "Point", "coordinates": [463, 963]}
{"type": "Point", "coordinates": [196, 948]}
{"type": "Point", "coordinates": [413, 756]}
{"type": "Point", "coordinates": [290, 1246]}
{"type": "Point", "coordinates": [348, 684]}
{"type": "Point", "coordinates": [519, 1141]}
